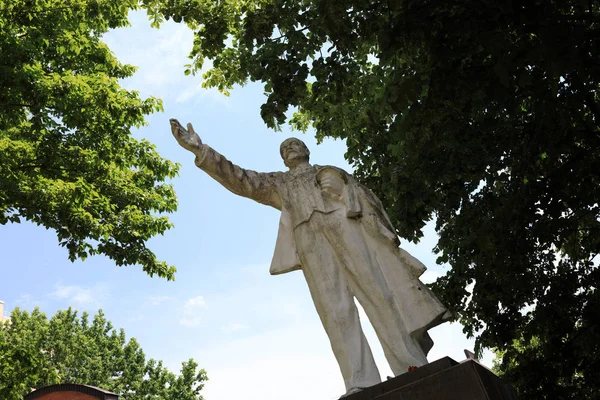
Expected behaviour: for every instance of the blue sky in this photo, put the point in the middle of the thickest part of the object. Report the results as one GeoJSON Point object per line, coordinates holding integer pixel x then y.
{"type": "Point", "coordinates": [258, 336]}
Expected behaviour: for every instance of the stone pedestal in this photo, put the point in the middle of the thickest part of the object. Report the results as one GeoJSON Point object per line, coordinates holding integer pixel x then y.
{"type": "Point", "coordinates": [444, 379]}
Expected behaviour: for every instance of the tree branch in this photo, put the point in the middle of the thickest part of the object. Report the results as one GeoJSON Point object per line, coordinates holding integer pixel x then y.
{"type": "Point", "coordinates": [16, 105]}
{"type": "Point", "coordinates": [286, 36]}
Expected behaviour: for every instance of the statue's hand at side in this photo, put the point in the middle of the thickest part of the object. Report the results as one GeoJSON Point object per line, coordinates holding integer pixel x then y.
{"type": "Point", "coordinates": [331, 183]}
{"type": "Point", "coordinates": [188, 139]}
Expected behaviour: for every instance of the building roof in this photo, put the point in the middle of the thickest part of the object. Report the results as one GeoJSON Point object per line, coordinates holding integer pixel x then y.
{"type": "Point", "coordinates": [101, 394]}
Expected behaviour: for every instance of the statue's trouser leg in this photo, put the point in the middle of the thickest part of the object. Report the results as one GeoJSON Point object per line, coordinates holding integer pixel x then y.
{"type": "Point", "coordinates": [368, 283]}
{"type": "Point", "coordinates": [334, 303]}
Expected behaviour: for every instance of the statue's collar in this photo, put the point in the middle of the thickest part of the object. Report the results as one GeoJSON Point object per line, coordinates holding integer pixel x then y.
{"type": "Point", "coordinates": [302, 169]}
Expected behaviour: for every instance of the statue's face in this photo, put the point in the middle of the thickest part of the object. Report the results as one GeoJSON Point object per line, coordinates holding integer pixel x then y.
{"type": "Point", "coordinates": [293, 151]}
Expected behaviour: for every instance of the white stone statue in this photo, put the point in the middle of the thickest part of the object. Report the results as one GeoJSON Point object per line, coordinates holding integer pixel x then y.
{"type": "Point", "coordinates": [336, 231]}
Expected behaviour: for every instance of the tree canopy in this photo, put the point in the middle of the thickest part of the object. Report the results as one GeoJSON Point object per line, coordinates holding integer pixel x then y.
{"type": "Point", "coordinates": [68, 160]}
{"type": "Point", "coordinates": [36, 351]}
{"type": "Point", "coordinates": [481, 114]}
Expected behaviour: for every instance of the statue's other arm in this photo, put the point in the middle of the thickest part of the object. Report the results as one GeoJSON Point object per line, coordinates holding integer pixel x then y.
{"type": "Point", "coordinates": [261, 187]}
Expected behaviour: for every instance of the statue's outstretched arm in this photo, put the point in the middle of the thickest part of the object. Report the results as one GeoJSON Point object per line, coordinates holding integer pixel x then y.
{"type": "Point", "coordinates": [260, 187]}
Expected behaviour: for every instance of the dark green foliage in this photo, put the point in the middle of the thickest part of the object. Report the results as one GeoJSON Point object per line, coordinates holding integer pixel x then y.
{"type": "Point", "coordinates": [482, 114]}
{"type": "Point", "coordinates": [68, 160]}
{"type": "Point", "coordinates": [36, 352]}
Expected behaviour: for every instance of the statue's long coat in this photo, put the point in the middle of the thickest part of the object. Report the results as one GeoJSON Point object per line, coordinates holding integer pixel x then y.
{"type": "Point", "coordinates": [418, 306]}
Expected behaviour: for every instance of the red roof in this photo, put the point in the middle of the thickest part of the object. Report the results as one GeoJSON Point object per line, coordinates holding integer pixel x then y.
{"type": "Point", "coordinates": [101, 394]}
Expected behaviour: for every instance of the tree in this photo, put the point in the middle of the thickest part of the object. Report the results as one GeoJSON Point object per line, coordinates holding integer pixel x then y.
{"type": "Point", "coordinates": [482, 114]}
{"type": "Point", "coordinates": [36, 351]}
{"type": "Point", "coordinates": [543, 361]}
{"type": "Point", "coordinates": [68, 160]}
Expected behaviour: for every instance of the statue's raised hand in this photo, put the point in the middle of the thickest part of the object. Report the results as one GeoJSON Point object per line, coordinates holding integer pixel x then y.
{"type": "Point", "coordinates": [188, 139]}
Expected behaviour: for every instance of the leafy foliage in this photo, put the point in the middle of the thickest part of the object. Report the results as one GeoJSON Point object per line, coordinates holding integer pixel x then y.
{"type": "Point", "coordinates": [68, 160]}
{"type": "Point", "coordinates": [484, 114]}
{"type": "Point", "coordinates": [36, 352]}
{"type": "Point", "coordinates": [545, 358]}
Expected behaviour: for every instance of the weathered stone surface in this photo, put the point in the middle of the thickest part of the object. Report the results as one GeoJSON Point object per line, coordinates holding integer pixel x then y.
{"type": "Point", "coordinates": [336, 231]}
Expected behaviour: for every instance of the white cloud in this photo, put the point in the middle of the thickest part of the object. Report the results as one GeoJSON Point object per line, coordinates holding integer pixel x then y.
{"type": "Point", "coordinates": [157, 300]}
{"type": "Point", "coordinates": [280, 361]}
{"type": "Point", "coordinates": [195, 303]}
{"type": "Point", "coordinates": [27, 301]}
{"type": "Point", "coordinates": [187, 93]}
{"type": "Point", "coordinates": [136, 318]}
{"type": "Point", "coordinates": [186, 321]}
{"type": "Point", "coordinates": [197, 92]}
{"type": "Point", "coordinates": [80, 296]}
{"type": "Point", "coordinates": [191, 310]}
{"type": "Point", "coordinates": [276, 376]}
{"type": "Point", "coordinates": [200, 93]}
{"type": "Point", "coordinates": [282, 358]}
{"type": "Point", "coordinates": [234, 327]}
{"type": "Point", "coordinates": [160, 54]}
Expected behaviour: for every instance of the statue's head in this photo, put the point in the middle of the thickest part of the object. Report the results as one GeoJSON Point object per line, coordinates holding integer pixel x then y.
{"type": "Point", "coordinates": [293, 151]}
